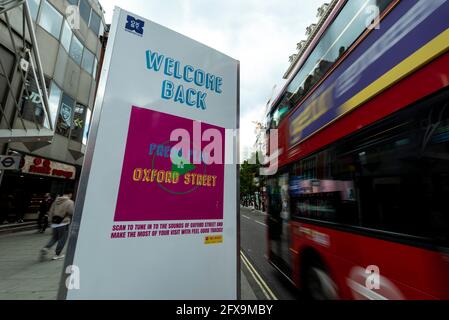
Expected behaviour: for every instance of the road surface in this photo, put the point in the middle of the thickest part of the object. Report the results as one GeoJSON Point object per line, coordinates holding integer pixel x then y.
{"type": "Point", "coordinates": [266, 281]}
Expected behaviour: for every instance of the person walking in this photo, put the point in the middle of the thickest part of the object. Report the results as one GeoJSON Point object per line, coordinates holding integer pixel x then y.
{"type": "Point", "coordinates": [4, 208]}
{"type": "Point", "coordinates": [42, 220]}
{"type": "Point", "coordinates": [21, 205]}
{"type": "Point", "coordinates": [60, 215]}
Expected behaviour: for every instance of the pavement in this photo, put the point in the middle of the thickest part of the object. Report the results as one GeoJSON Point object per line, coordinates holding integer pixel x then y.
{"type": "Point", "coordinates": [24, 277]}
{"type": "Point", "coordinates": [247, 292]}
{"type": "Point", "coordinates": [17, 227]}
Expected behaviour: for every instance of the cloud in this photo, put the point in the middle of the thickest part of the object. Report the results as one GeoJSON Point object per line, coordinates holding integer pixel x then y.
{"type": "Point", "coordinates": [261, 34]}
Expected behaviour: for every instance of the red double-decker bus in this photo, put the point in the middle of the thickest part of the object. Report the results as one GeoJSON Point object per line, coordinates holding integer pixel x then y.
{"type": "Point", "coordinates": [358, 208]}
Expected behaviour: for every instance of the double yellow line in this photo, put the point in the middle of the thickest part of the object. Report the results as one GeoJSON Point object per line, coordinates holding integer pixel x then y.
{"type": "Point", "coordinates": [262, 284]}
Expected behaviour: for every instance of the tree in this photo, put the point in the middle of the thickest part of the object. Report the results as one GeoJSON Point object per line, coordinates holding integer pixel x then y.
{"type": "Point", "coordinates": [248, 172]}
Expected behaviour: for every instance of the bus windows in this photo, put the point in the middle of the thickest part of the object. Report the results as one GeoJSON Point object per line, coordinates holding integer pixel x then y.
{"type": "Point", "coordinates": [347, 27]}
{"type": "Point", "coordinates": [324, 189]}
{"type": "Point", "coordinates": [405, 175]}
{"type": "Point", "coordinates": [279, 113]}
{"type": "Point", "coordinates": [393, 176]}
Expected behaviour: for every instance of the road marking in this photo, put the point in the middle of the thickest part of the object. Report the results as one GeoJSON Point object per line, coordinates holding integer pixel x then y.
{"type": "Point", "coordinates": [254, 220]}
{"type": "Point", "coordinates": [262, 284]}
{"type": "Point", "coordinates": [257, 281]}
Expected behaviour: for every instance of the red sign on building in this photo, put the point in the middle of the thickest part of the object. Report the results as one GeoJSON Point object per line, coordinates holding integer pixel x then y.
{"type": "Point", "coordinates": [45, 167]}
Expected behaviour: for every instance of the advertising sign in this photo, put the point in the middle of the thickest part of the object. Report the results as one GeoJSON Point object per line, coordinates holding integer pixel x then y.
{"type": "Point", "coordinates": [66, 114]}
{"type": "Point", "coordinates": [156, 211]}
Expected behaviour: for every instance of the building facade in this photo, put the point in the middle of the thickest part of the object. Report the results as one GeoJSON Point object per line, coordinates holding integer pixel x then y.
{"type": "Point", "coordinates": [69, 35]}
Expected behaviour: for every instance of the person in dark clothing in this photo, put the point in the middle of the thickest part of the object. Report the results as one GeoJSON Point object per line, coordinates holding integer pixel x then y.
{"type": "Point", "coordinates": [42, 220]}
{"type": "Point", "coordinates": [60, 215]}
{"type": "Point", "coordinates": [4, 208]}
{"type": "Point", "coordinates": [21, 205]}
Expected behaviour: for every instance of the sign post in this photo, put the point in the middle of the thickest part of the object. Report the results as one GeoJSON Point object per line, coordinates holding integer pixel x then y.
{"type": "Point", "coordinates": [157, 210]}
{"type": "Point", "coordinates": [8, 162]}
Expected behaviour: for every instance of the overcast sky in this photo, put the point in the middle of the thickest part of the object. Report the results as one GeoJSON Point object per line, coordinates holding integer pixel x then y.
{"type": "Point", "coordinates": [262, 34]}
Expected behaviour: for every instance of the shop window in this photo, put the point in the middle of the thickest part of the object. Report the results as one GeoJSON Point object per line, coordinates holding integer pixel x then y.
{"type": "Point", "coordinates": [85, 10]}
{"type": "Point", "coordinates": [95, 22]}
{"type": "Point", "coordinates": [78, 123]}
{"type": "Point", "coordinates": [65, 116]}
{"type": "Point", "coordinates": [66, 36]}
{"type": "Point", "coordinates": [88, 61]}
{"type": "Point", "coordinates": [50, 19]}
{"type": "Point", "coordinates": [34, 8]}
{"type": "Point", "coordinates": [76, 50]}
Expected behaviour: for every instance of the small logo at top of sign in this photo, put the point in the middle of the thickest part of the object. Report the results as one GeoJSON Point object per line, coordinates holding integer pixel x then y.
{"type": "Point", "coordinates": [134, 25]}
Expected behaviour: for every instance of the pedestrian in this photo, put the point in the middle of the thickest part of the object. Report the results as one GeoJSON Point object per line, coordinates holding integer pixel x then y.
{"type": "Point", "coordinates": [4, 208]}
{"type": "Point", "coordinates": [21, 205]}
{"type": "Point", "coordinates": [42, 220]}
{"type": "Point", "coordinates": [60, 216]}
{"type": "Point", "coordinates": [10, 208]}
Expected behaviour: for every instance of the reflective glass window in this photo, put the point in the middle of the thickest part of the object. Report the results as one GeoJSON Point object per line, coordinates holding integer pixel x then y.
{"type": "Point", "coordinates": [53, 101]}
{"type": "Point", "coordinates": [32, 104]}
{"type": "Point", "coordinates": [50, 19]}
{"type": "Point", "coordinates": [95, 22]}
{"type": "Point", "coordinates": [66, 36]}
{"type": "Point", "coordinates": [88, 61]}
{"type": "Point", "coordinates": [76, 50]}
{"type": "Point", "coordinates": [34, 7]}
{"type": "Point", "coordinates": [85, 10]}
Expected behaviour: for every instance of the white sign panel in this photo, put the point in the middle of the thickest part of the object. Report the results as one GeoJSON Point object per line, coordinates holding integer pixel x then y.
{"type": "Point", "coordinates": [156, 213]}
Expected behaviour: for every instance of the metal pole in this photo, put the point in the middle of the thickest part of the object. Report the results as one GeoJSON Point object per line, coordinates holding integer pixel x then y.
{"type": "Point", "coordinates": [3, 150]}
{"type": "Point", "coordinates": [40, 71]}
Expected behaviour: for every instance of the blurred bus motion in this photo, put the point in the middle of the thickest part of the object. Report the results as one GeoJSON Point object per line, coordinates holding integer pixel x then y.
{"type": "Point", "coordinates": [359, 207]}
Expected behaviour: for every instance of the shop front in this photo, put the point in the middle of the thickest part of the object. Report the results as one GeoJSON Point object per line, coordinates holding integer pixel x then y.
{"type": "Point", "coordinates": [22, 191]}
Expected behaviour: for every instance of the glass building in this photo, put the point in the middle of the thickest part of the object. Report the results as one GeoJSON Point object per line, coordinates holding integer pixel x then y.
{"type": "Point", "coordinates": [70, 39]}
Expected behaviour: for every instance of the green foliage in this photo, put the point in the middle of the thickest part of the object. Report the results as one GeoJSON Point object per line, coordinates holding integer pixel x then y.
{"type": "Point", "coordinates": [249, 171]}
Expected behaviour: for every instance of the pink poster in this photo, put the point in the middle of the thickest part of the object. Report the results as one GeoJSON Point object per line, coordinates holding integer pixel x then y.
{"type": "Point", "coordinates": [155, 188]}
